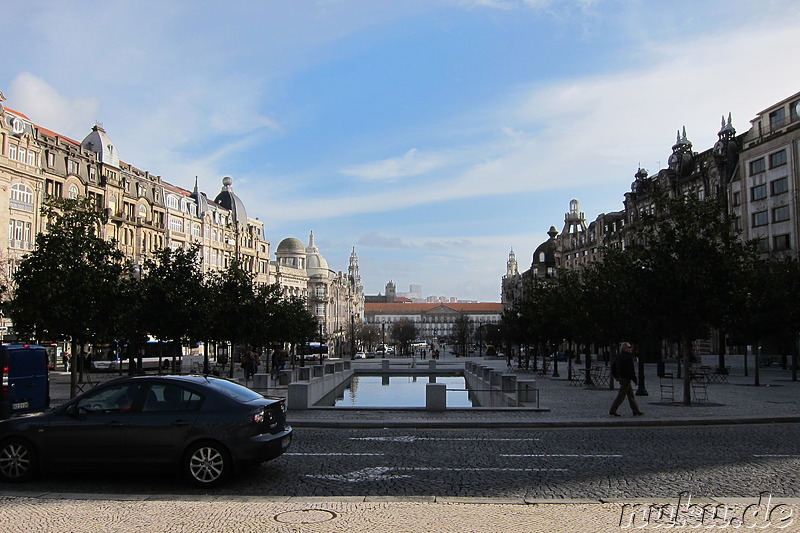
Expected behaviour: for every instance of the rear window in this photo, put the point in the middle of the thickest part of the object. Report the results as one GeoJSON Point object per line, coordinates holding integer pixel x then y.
{"type": "Point", "coordinates": [234, 390]}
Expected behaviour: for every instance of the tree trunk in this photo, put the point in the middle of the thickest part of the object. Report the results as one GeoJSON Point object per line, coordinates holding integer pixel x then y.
{"type": "Point", "coordinates": [687, 374]}
{"type": "Point", "coordinates": [757, 366]}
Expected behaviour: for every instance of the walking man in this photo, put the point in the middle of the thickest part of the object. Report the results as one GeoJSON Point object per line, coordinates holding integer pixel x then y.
{"type": "Point", "coordinates": [622, 370]}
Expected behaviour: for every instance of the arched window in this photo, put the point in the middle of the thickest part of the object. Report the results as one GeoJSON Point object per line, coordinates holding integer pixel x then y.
{"type": "Point", "coordinates": [21, 197]}
{"type": "Point", "coordinates": [142, 211]}
{"type": "Point", "coordinates": [72, 192]}
{"type": "Point", "coordinates": [172, 202]}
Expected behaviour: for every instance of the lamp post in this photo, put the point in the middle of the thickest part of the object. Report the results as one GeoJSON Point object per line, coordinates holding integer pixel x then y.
{"type": "Point", "coordinates": [555, 364]}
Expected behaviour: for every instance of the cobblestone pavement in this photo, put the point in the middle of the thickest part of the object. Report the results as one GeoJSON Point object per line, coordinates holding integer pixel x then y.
{"type": "Point", "coordinates": [173, 514]}
{"type": "Point", "coordinates": [563, 406]}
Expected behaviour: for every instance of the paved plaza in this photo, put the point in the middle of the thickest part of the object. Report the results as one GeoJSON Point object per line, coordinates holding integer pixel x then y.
{"type": "Point", "coordinates": [562, 404]}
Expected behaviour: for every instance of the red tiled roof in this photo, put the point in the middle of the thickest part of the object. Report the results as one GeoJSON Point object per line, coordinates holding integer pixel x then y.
{"type": "Point", "coordinates": [17, 113]}
{"type": "Point", "coordinates": [481, 307]}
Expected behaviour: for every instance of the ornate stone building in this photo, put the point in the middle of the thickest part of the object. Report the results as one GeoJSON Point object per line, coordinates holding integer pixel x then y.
{"type": "Point", "coordinates": [144, 212]}
{"type": "Point", "coordinates": [336, 299]}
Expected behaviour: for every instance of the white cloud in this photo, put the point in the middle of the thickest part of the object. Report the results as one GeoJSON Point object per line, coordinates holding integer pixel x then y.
{"type": "Point", "coordinates": [44, 105]}
{"type": "Point", "coordinates": [412, 163]}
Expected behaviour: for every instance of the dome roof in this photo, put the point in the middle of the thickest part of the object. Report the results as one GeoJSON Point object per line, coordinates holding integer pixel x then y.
{"type": "Point", "coordinates": [291, 246]}
{"type": "Point", "coordinates": [315, 263]}
{"type": "Point", "coordinates": [100, 143]}
{"type": "Point", "coordinates": [227, 199]}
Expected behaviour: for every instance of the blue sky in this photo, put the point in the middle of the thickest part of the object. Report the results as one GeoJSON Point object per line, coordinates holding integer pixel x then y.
{"type": "Point", "coordinates": [431, 135]}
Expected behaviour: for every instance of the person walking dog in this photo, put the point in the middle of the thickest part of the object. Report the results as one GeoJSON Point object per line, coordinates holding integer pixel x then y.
{"type": "Point", "coordinates": [622, 370]}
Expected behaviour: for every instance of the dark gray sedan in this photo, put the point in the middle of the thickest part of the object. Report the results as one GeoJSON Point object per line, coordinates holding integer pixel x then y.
{"type": "Point", "coordinates": [208, 427]}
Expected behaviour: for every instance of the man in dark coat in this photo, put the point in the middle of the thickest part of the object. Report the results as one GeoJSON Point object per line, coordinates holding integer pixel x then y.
{"type": "Point", "coordinates": [623, 371]}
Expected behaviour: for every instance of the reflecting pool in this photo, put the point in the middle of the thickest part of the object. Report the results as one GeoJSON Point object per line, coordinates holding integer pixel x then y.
{"type": "Point", "coordinates": [395, 391]}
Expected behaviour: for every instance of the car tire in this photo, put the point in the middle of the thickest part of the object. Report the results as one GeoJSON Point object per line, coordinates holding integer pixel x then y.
{"type": "Point", "coordinates": [18, 460]}
{"type": "Point", "coordinates": [207, 464]}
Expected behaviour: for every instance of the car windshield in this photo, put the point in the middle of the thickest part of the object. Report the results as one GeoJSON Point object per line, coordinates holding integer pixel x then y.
{"type": "Point", "coordinates": [234, 390]}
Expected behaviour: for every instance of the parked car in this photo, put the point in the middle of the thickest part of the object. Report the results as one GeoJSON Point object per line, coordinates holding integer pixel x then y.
{"type": "Point", "coordinates": [370, 355]}
{"type": "Point", "coordinates": [24, 378]}
{"type": "Point", "coordinates": [360, 355]}
{"type": "Point", "coordinates": [206, 427]}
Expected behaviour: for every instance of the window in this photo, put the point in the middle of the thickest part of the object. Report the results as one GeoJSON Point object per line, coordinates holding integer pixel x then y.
{"type": "Point", "coordinates": [92, 174]}
{"type": "Point", "coordinates": [170, 398]}
{"type": "Point", "coordinates": [757, 166]}
{"type": "Point", "coordinates": [781, 243]}
{"type": "Point", "coordinates": [31, 158]}
{"type": "Point", "coordinates": [760, 219]}
{"type": "Point", "coordinates": [759, 192]}
{"type": "Point", "coordinates": [777, 119]}
{"type": "Point", "coordinates": [794, 109]}
{"type": "Point", "coordinates": [320, 309]}
{"type": "Point", "coordinates": [737, 224]}
{"type": "Point", "coordinates": [780, 186]}
{"type": "Point", "coordinates": [737, 198]}
{"type": "Point", "coordinates": [53, 188]}
{"type": "Point", "coordinates": [21, 197]}
{"type": "Point", "coordinates": [51, 159]}
{"type": "Point", "coordinates": [196, 230]}
{"type": "Point", "coordinates": [176, 224]}
{"type": "Point", "coordinates": [72, 191]}
{"type": "Point", "coordinates": [780, 214]}
{"type": "Point", "coordinates": [172, 202]}
{"type": "Point", "coordinates": [143, 211]}
{"type": "Point", "coordinates": [777, 159]}
{"type": "Point", "coordinates": [21, 154]}
{"type": "Point", "coordinates": [72, 167]}
{"type": "Point", "coordinates": [115, 399]}
{"type": "Point", "coordinates": [762, 245]}
{"type": "Point", "coordinates": [12, 151]}
{"type": "Point", "coordinates": [19, 235]}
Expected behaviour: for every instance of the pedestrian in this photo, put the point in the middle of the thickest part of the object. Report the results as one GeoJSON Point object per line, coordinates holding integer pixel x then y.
{"type": "Point", "coordinates": [256, 362]}
{"type": "Point", "coordinates": [622, 370]}
{"type": "Point", "coordinates": [247, 365]}
{"type": "Point", "coordinates": [65, 358]}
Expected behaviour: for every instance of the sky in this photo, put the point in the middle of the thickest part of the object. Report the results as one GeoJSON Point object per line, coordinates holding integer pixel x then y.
{"type": "Point", "coordinates": [433, 136]}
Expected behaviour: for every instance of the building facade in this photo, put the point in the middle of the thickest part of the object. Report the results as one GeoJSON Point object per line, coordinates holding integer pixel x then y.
{"type": "Point", "coordinates": [146, 213]}
{"type": "Point", "coordinates": [754, 175]}
{"type": "Point", "coordinates": [434, 322]}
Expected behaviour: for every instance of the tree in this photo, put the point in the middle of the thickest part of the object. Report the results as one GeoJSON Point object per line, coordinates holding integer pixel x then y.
{"type": "Point", "coordinates": [462, 332]}
{"type": "Point", "coordinates": [69, 286]}
{"type": "Point", "coordinates": [404, 332]}
{"type": "Point", "coordinates": [232, 292]}
{"type": "Point", "coordinates": [173, 295]}
{"type": "Point", "coordinates": [687, 274]}
{"type": "Point", "coordinates": [368, 334]}
{"type": "Point", "coordinates": [295, 324]}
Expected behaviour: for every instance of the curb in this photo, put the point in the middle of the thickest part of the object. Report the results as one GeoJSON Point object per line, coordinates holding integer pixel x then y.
{"type": "Point", "coordinates": [525, 424]}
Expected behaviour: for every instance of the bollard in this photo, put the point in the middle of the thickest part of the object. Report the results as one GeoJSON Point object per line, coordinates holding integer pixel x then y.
{"type": "Point", "coordinates": [432, 365]}
{"type": "Point", "coordinates": [297, 396]}
{"type": "Point", "coordinates": [385, 365]}
{"type": "Point", "coordinates": [435, 397]}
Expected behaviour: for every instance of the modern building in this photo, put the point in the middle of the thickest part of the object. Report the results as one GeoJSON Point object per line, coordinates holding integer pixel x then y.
{"type": "Point", "coordinates": [764, 192]}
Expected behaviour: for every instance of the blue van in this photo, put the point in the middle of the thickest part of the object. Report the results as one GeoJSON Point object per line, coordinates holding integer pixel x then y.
{"type": "Point", "coordinates": [24, 381]}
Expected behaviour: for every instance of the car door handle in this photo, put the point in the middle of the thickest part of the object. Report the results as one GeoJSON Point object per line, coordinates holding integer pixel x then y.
{"type": "Point", "coordinates": [115, 423]}
{"type": "Point", "coordinates": [181, 422]}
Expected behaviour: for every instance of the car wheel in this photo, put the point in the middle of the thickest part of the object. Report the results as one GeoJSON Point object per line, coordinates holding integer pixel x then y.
{"type": "Point", "coordinates": [18, 460]}
{"type": "Point", "coordinates": [207, 464]}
